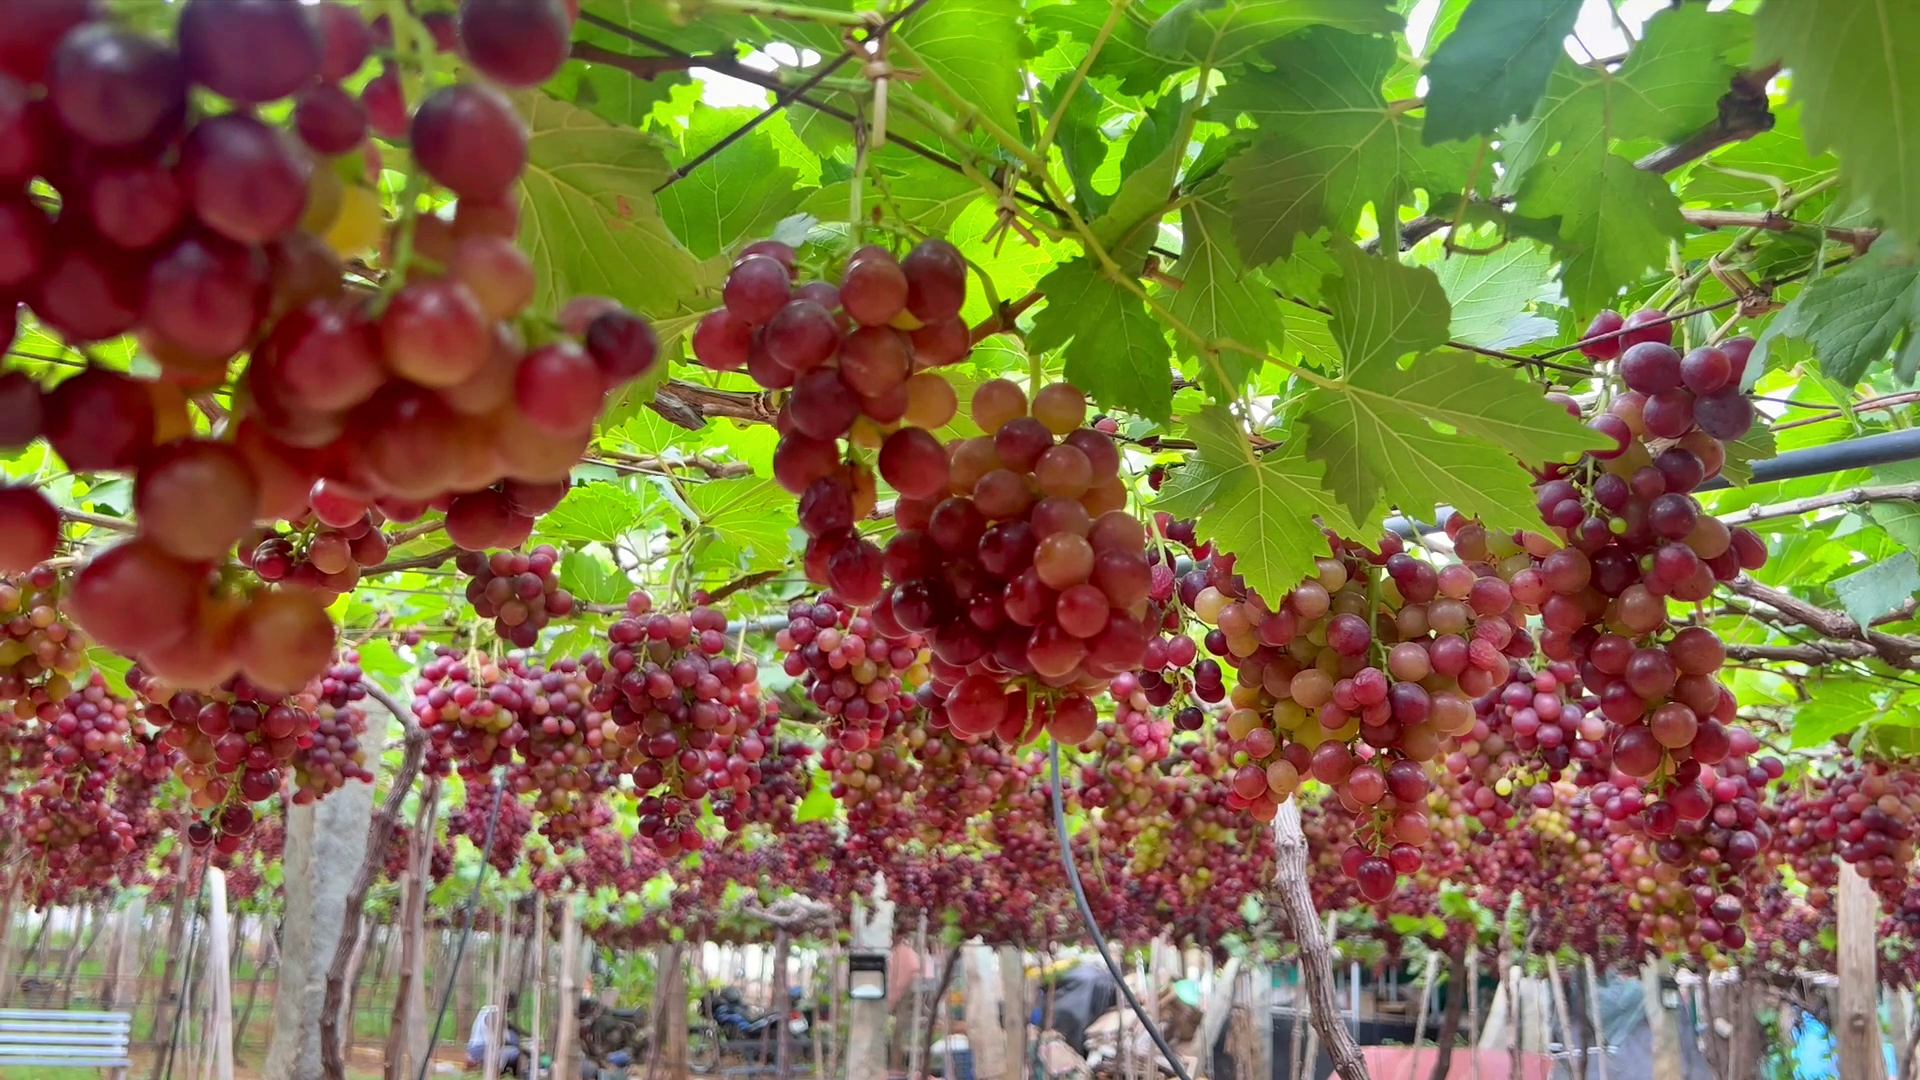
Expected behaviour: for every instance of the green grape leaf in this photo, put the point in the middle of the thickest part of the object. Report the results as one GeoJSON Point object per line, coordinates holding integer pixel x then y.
{"type": "Point", "coordinates": [1833, 707]}
{"type": "Point", "coordinates": [1494, 66]}
{"type": "Point", "coordinates": [1261, 507]}
{"type": "Point", "coordinates": [589, 220]}
{"type": "Point", "coordinates": [1217, 297]}
{"type": "Point", "coordinates": [1221, 33]}
{"type": "Point", "coordinates": [819, 804]}
{"type": "Point", "coordinates": [974, 46]}
{"type": "Point", "coordinates": [925, 194]}
{"type": "Point", "coordinates": [594, 513]}
{"type": "Point", "coordinates": [1154, 156]}
{"type": "Point", "coordinates": [1447, 430]}
{"type": "Point", "coordinates": [1083, 145]}
{"type": "Point", "coordinates": [749, 516]}
{"type": "Point", "coordinates": [733, 197]}
{"type": "Point", "coordinates": [1613, 221]}
{"type": "Point", "coordinates": [1115, 349]}
{"type": "Point", "coordinates": [1758, 171]}
{"type": "Point", "coordinates": [1853, 317]}
{"type": "Point", "coordinates": [1124, 57]}
{"type": "Point", "coordinates": [381, 663]}
{"type": "Point", "coordinates": [1328, 143]}
{"type": "Point", "coordinates": [1853, 64]}
{"type": "Point", "coordinates": [110, 666]}
{"type": "Point", "coordinates": [1900, 520]}
{"type": "Point", "coordinates": [1879, 589]}
{"type": "Point", "coordinates": [1755, 445]}
{"type": "Point", "coordinates": [1490, 294]}
{"type": "Point", "coordinates": [593, 579]}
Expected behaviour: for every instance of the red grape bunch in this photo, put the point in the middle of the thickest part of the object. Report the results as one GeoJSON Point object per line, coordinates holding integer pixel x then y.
{"type": "Point", "coordinates": [40, 651]}
{"type": "Point", "coordinates": [468, 707]}
{"type": "Point", "coordinates": [334, 755]}
{"type": "Point", "coordinates": [71, 818]}
{"type": "Point", "coordinates": [1864, 810]}
{"type": "Point", "coordinates": [568, 757]}
{"type": "Point", "coordinates": [860, 677]}
{"type": "Point", "coordinates": [317, 554]}
{"type": "Point", "coordinates": [777, 773]}
{"type": "Point", "coordinates": [190, 221]}
{"type": "Point", "coordinates": [238, 742]}
{"type": "Point", "coordinates": [521, 593]}
{"type": "Point", "coordinates": [684, 709]}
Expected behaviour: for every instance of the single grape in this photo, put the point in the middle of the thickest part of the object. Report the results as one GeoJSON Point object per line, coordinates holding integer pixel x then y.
{"type": "Point", "coordinates": [470, 140]}
{"type": "Point", "coordinates": [520, 43]}
{"type": "Point", "coordinates": [251, 51]}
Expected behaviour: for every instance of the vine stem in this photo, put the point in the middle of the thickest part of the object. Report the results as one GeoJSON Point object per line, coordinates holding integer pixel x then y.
{"type": "Point", "coordinates": [1115, 12]}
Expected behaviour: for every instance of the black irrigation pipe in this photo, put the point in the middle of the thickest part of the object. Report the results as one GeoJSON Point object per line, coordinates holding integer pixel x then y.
{"type": "Point", "coordinates": [1093, 927]}
{"type": "Point", "coordinates": [1859, 453]}
{"type": "Point", "coordinates": [466, 931]}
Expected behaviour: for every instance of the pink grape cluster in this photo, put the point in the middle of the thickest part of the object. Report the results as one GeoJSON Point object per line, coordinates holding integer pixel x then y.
{"type": "Point", "coordinates": [40, 650]}
{"type": "Point", "coordinates": [521, 593]}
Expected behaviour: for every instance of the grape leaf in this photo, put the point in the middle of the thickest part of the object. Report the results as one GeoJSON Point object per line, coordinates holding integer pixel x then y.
{"type": "Point", "coordinates": [819, 804]}
{"type": "Point", "coordinates": [599, 513]}
{"type": "Point", "coordinates": [593, 579]}
{"type": "Point", "coordinates": [1083, 145]}
{"type": "Point", "coordinates": [749, 517]}
{"type": "Point", "coordinates": [734, 196]}
{"type": "Point", "coordinates": [1613, 220]}
{"type": "Point", "coordinates": [925, 194]}
{"type": "Point", "coordinates": [1490, 294]}
{"type": "Point", "coordinates": [1853, 317]}
{"type": "Point", "coordinates": [1758, 171]}
{"type": "Point", "coordinates": [110, 666]}
{"type": "Point", "coordinates": [589, 220]}
{"type": "Point", "coordinates": [1494, 66]}
{"type": "Point", "coordinates": [1115, 349]}
{"type": "Point", "coordinates": [974, 46]}
{"type": "Point", "coordinates": [1222, 32]}
{"type": "Point", "coordinates": [1261, 507]}
{"type": "Point", "coordinates": [1445, 431]}
{"type": "Point", "coordinates": [1125, 56]}
{"type": "Point", "coordinates": [381, 663]}
{"type": "Point", "coordinates": [1853, 64]}
{"type": "Point", "coordinates": [1328, 143]}
{"type": "Point", "coordinates": [1755, 445]}
{"type": "Point", "coordinates": [1880, 588]}
{"type": "Point", "coordinates": [1833, 707]}
{"type": "Point", "coordinates": [1217, 297]}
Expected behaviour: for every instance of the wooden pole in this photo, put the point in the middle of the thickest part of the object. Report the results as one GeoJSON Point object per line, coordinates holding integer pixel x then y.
{"type": "Point", "coordinates": [1570, 1039]}
{"type": "Point", "coordinates": [1593, 1018]}
{"type": "Point", "coordinates": [1420, 1017]}
{"type": "Point", "coordinates": [219, 976]}
{"type": "Point", "coordinates": [985, 1037]}
{"type": "Point", "coordinates": [1660, 1021]}
{"type": "Point", "coordinates": [497, 995]}
{"type": "Point", "coordinates": [867, 1028]}
{"type": "Point", "coordinates": [1290, 880]}
{"type": "Point", "coordinates": [1857, 1025]}
{"type": "Point", "coordinates": [569, 992]}
{"type": "Point", "coordinates": [176, 930]}
{"type": "Point", "coordinates": [537, 946]}
{"type": "Point", "coordinates": [9, 904]}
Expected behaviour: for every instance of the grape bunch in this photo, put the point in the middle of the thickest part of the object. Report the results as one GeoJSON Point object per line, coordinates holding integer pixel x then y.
{"type": "Point", "coordinates": [1019, 562]}
{"type": "Point", "coordinates": [1864, 810]}
{"type": "Point", "coordinates": [1672, 395]}
{"type": "Point", "coordinates": [334, 754]}
{"type": "Point", "coordinates": [566, 761]}
{"type": "Point", "coordinates": [510, 826]}
{"type": "Point", "coordinates": [191, 222]}
{"type": "Point", "coordinates": [684, 709]}
{"type": "Point", "coordinates": [325, 554]}
{"type": "Point", "coordinates": [861, 678]}
{"type": "Point", "coordinates": [465, 706]}
{"type": "Point", "coordinates": [521, 593]}
{"type": "Point", "coordinates": [238, 743]}
{"type": "Point", "coordinates": [776, 772]}
{"type": "Point", "coordinates": [72, 818]}
{"type": "Point", "coordinates": [41, 651]}
{"type": "Point", "coordinates": [1526, 736]}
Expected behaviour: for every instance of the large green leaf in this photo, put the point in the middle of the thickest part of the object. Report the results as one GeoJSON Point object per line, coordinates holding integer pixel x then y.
{"type": "Point", "coordinates": [1222, 32]}
{"type": "Point", "coordinates": [593, 578]}
{"type": "Point", "coordinates": [1217, 297]}
{"type": "Point", "coordinates": [589, 219]}
{"type": "Point", "coordinates": [737, 194]}
{"type": "Point", "coordinates": [1613, 221]}
{"type": "Point", "coordinates": [1879, 589]}
{"type": "Point", "coordinates": [1855, 316]}
{"type": "Point", "coordinates": [1144, 194]}
{"type": "Point", "coordinates": [749, 518]}
{"type": "Point", "coordinates": [1494, 66]}
{"type": "Point", "coordinates": [1856, 73]}
{"type": "Point", "coordinates": [975, 47]}
{"type": "Point", "coordinates": [1449, 430]}
{"type": "Point", "coordinates": [600, 513]}
{"type": "Point", "coordinates": [1125, 56]}
{"type": "Point", "coordinates": [1261, 507]}
{"type": "Point", "coordinates": [1328, 142]}
{"type": "Point", "coordinates": [1833, 707]}
{"type": "Point", "coordinates": [1490, 294]}
{"type": "Point", "coordinates": [1116, 350]}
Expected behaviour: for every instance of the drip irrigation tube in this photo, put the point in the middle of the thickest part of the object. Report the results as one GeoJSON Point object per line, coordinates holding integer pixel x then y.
{"type": "Point", "coordinates": [466, 931]}
{"type": "Point", "coordinates": [1093, 928]}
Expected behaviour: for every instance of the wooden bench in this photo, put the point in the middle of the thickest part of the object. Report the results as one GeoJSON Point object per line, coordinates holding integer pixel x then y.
{"type": "Point", "coordinates": [65, 1039]}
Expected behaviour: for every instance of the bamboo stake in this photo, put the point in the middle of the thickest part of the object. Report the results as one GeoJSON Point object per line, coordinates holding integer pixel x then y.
{"type": "Point", "coordinates": [219, 978]}
{"type": "Point", "coordinates": [537, 944]}
{"type": "Point", "coordinates": [1593, 1015]}
{"type": "Point", "coordinates": [1426, 995]}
